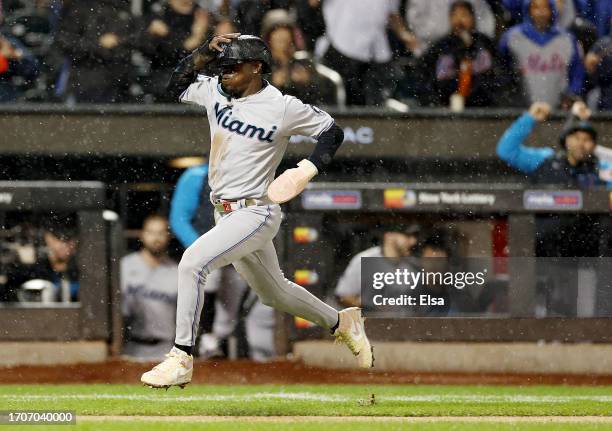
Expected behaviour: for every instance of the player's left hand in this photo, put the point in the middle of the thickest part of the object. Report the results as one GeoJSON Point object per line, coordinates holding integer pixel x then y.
{"type": "Point", "coordinates": [217, 42]}
{"type": "Point", "coordinates": [292, 182]}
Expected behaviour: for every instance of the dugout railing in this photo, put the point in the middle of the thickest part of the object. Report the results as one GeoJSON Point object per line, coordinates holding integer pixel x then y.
{"type": "Point", "coordinates": [318, 213]}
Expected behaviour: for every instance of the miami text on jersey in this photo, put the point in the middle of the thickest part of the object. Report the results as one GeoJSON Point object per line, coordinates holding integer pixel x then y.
{"type": "Point", "coordinates": [224, 120]}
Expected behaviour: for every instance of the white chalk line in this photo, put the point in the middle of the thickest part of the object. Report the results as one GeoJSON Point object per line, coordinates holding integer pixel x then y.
{"type": "Point", "coordinates": [308, 396]}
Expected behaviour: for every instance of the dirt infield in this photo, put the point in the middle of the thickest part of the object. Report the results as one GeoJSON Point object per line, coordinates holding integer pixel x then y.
{"type": "Point", "coordinates": [278, 372]}
{"type": "Point", "coordinates": [289, 419]}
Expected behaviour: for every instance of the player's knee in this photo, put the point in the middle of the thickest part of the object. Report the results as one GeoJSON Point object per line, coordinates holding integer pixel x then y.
{"type": "Point", "coordinates": [190, 263]}
{"type": "Point", "coordinates": [269, 301]}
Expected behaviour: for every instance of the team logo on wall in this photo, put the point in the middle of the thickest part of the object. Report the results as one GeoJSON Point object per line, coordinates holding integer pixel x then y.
{"type": "Point", "coordinates": [552, 200]}
{"type": "Point", "coordinates": [305, 234]}
{"type": "Point", "coordinates": [331, 199]}
{"type": "Point", "coordinates": [305, 277]}
{"type": "Point", "coordinates": [400, 198]}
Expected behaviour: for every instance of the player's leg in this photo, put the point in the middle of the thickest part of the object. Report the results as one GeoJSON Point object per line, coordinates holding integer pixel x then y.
{"type": "Point", "coordinates": [262, 272]}
{"type": "Point", "coordinates": [207, 344]}
{"type": "Point", "coordinates": [236, 234]}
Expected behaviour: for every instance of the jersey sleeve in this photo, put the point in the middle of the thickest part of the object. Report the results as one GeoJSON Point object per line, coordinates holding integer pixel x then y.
{"type": "Point", "coordinates": [305, 120]}
{"type": "Point", "coordinates": [200, 92]}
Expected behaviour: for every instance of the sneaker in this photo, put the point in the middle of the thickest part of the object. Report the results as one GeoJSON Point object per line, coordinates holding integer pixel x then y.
{"type": "Point", "coordinates": [175, 370]}
{"type": "Point", "coordinates": [351, 331]}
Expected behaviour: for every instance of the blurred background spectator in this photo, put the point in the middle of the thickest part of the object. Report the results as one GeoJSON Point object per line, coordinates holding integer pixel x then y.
{"type": "Point", "coordinates": [598, 64]}
{"type": "Point", "coordinates": [429, 20]}
{"type": "Point", "coordinates": [149, 292]}
{"type": "Point", "coordinates": [308, 84]}
{"type": "Point", "coordinates": [18, 68]}
{"type": "Point", "coordinates": [397, 242]}
{"type": "Point", "coordinates": [574, 166]}
{"type": "Point", "coordinates": [358, 46]}
{"type": "Point", "coordinates": [53, 275]}
{"type": "Point", "coordinates": [97, 44]}
{"type": "Point", "coordinates": [415, 51]}
{"type": "Point", "coordinates": [279, 33]}
{"type": "Point", "coordinates": [169, 35]}
{"type": "Point", "coordinates": [544, 57]}
{"type": "Point", "coordinates": [250, 13]}
{"type": "Point", "coordinates": [461, 63]}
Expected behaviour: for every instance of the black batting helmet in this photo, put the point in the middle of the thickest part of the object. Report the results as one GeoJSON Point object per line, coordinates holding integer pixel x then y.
{"type": "Point", "coordinates": [246, 48]}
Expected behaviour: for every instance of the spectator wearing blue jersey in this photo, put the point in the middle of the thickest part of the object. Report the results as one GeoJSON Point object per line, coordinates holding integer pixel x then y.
{"type": "Point", "coordinates": [580, 164]}
{"type": "Point", "coordinates": [545, 58]}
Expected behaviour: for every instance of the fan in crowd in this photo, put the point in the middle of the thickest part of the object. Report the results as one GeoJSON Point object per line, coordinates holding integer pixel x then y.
{"type": "Point", "coordinates": [98, 44]}
{"type": "Point", "coordinates": [379, 49]}
{"type": "Point", "coordinates": [168, 36]}
{"type": "Point", "coordinates": [545, 57]}
{"type": "Point", "coordinates": [460, 63]}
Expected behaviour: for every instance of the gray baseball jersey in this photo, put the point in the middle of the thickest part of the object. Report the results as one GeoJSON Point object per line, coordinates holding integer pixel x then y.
{"type": "Point", "coordinates": [249, 135]}
{"type": "Point", "coordinates": [149, 297]}
{"type": "Point", "coordinates": [349, 283]}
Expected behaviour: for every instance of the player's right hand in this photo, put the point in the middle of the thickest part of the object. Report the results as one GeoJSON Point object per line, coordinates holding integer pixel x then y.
{"type": "Point", "coordinates": [539, 111]}
{"type": "Point", "coordinates": [216, 43]}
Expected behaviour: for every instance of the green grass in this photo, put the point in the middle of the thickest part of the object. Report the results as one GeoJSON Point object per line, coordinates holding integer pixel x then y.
{"type": "Point", "coordinates": [311, 400]}
{"type": "Point", "coordinates": [325, 426]}
{"type": "Point", "coordinates": [314, 400]}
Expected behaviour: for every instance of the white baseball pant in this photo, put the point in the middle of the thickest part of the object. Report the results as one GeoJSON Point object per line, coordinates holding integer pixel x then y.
{"type": "Point", "coordinates": [243, 238]}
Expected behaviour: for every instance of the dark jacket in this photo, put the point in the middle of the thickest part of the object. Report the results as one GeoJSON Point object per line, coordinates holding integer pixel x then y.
{"type": "Point", "coordinates": [558, 171]}
{"type": "Point", "coordinates": [441, 69]}
{"type": "Point", "coordinates": [602, 77]}
{"type": "Point", "coordinates": [568, 235]}
{"type": "Point", "coordinates": [26, 68]}
{"type": "Point", "coordinates": [97, 74]}
{"type": "Point", "coordinates": [165, 52]}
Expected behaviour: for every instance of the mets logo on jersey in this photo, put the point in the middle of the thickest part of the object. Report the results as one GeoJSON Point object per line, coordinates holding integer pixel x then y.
{"type": "Point", "coordinates": [224, 120]}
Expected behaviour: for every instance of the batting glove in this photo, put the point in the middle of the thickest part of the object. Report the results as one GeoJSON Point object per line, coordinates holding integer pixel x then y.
{"type": "Point", "coordinates": [292, 182]}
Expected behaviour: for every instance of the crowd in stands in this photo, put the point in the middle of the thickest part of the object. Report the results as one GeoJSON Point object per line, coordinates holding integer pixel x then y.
{"type": "Point", "coordinates": [472, 53]}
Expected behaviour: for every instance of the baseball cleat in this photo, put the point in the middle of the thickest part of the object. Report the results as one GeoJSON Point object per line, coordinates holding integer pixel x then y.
{"type": "Point", "coordinates": [175, 370]}
{"type": "Point", "coordinates": [351, 331]}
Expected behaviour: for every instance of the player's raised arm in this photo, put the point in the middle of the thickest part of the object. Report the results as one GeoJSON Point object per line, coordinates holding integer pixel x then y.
{"type": "Point", "coordinates": [187, 70]}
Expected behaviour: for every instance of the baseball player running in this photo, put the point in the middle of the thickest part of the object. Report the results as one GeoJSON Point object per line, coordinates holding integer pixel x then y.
{"type": "Point", "coordinates": [250, 123]}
